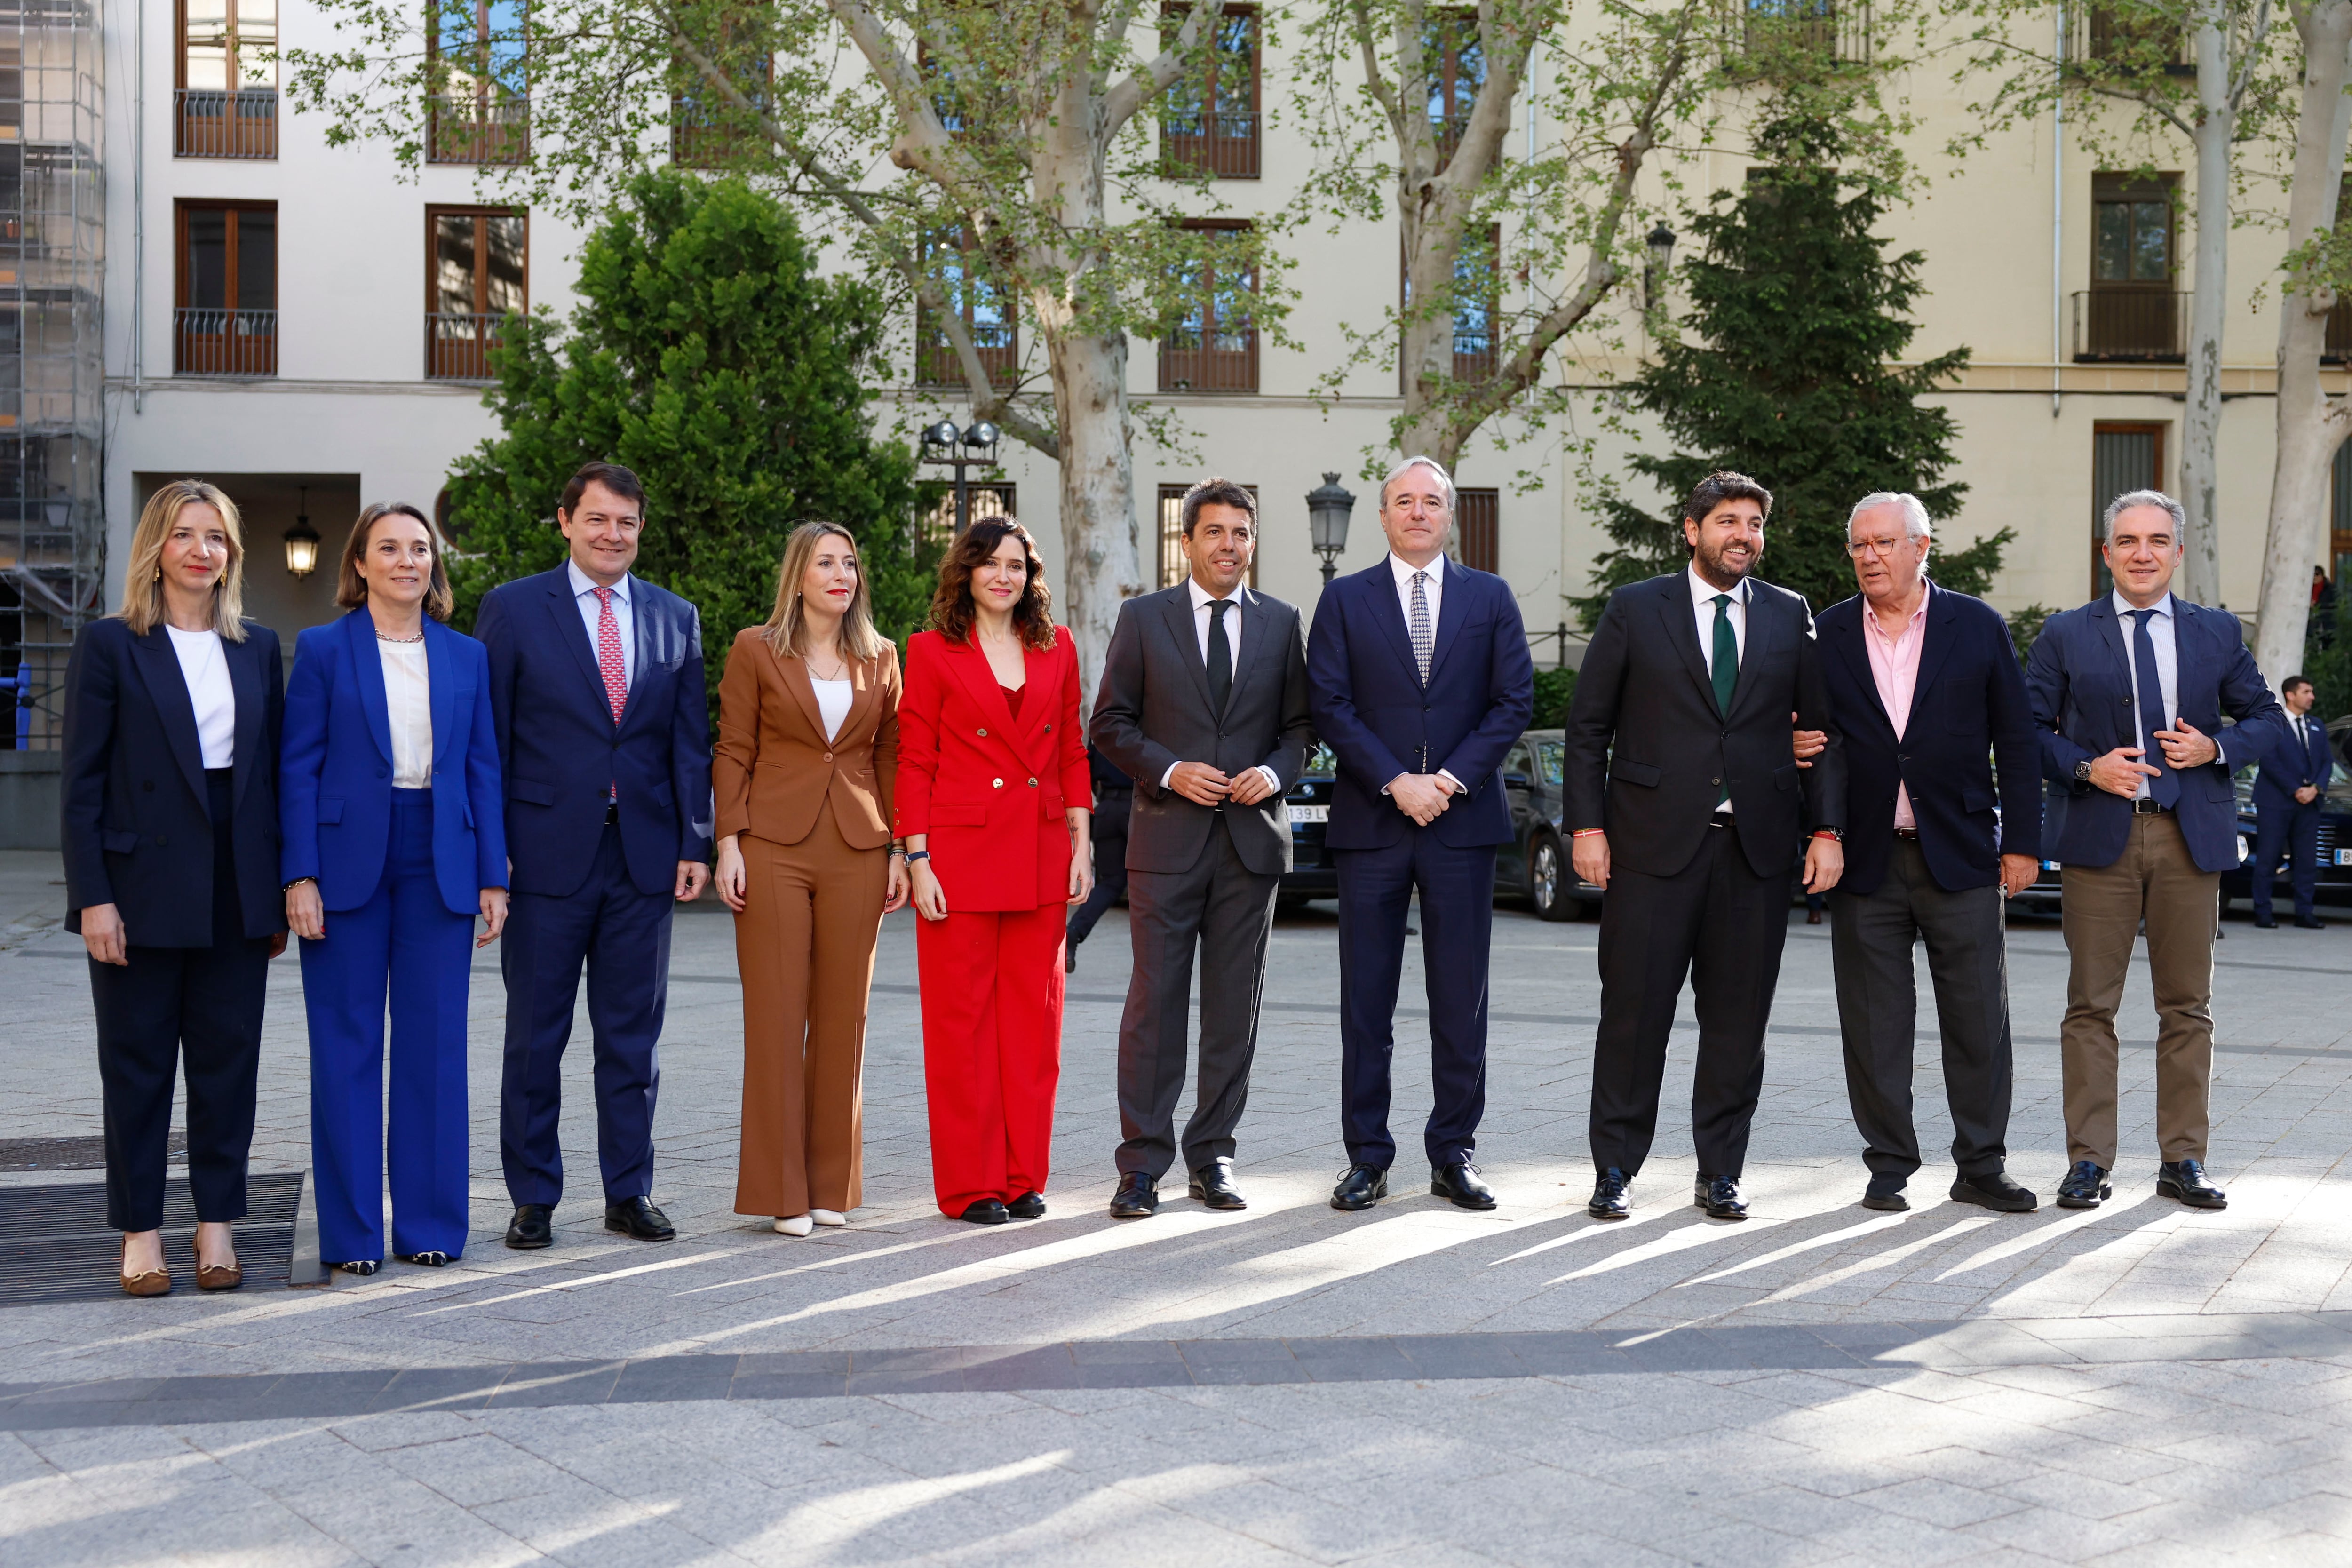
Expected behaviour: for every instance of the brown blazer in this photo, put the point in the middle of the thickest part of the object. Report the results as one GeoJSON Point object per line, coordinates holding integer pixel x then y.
{"type": "Point", "coordinates": [773, 768]}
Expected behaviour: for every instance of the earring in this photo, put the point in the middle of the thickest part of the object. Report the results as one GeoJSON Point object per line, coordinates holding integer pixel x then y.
{"type": "Point", "coordinates": [158, 573]}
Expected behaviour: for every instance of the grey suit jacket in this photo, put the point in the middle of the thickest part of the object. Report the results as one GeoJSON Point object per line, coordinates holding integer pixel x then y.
{"type": "Point", "coordinates": [1154, 711]}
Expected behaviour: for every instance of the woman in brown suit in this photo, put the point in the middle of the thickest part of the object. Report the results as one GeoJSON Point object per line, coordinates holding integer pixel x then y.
{"type": "Point", "coordinates": [808, 748]}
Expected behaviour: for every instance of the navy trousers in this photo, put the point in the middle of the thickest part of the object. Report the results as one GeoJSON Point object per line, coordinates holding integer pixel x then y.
{"type": "Point", "coordinates": [1457, 922]}
{"type": "Point", "coordinates": [2292, 830]}
{"type": "Point", "coordinates": [623, 937]}
{"type": "Point", "coordinates": [405, 942]}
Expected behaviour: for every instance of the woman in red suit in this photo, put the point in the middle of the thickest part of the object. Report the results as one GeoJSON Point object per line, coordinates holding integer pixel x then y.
{"type": "Point", "coordinates": [992, 801]}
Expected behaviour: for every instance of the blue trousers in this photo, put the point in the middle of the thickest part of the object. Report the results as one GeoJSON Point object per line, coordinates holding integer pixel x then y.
{"type": "Point", "coordinates": [623, 937]}
{"type": "Point", "coordinates": [2292, 830]}
{"type": "Point", "coordinates": [1457, 925]}
{"type": "Point", "coordinates": [404, 940]}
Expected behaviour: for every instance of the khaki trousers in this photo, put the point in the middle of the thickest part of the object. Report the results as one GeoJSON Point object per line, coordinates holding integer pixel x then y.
{"type": "Point", "coordinates": [804, 947]}
{"type": "Point", "coordinates": [2154, 880]}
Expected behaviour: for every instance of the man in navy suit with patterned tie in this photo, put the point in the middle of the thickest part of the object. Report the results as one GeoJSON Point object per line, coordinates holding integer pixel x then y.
{"type": "Point", "coordinates": [2295, 771]}
{"type": "Point", "coordinates": [604, 729]}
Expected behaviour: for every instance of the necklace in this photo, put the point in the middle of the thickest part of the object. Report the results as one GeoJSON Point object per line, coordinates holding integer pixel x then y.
{"type": "Point", "coordinates": [418, 638]}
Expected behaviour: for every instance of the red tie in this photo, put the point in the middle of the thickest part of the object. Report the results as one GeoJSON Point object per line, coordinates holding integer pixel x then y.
{"type": "Point", "coordinates": [608, 653]}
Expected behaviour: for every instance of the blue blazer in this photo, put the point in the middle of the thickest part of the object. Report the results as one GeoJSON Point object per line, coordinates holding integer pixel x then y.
{"type": "Point", "coordinates": [138, 829]}
{"type": "Point", "coordinates": [336, 782]}
{"type": "Point", "coordinates": [2288, 767]}
{"type": "Point", "coordinates": [1969, 712]}
{"type": "Point", "coordinates": [2080, 683]}
{"type": "Point", "coordinates": [562, 752]}
{"type": "Point", "coordinates": [1371, 710]}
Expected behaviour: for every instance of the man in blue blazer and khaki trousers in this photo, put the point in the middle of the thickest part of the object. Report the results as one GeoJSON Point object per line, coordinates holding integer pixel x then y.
{"type": "Point", "coordinates": [2128, 694]}
{"type": "Point", "coordinates": [604, 729]}
{"type": "Point", "coordinates": [1419, 680]}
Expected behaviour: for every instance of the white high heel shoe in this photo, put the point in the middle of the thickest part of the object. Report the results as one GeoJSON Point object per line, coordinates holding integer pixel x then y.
{"type": "Point", "coordinates": [828, 1216]}
{"type": "Point", "coordinates": [794, 1224]}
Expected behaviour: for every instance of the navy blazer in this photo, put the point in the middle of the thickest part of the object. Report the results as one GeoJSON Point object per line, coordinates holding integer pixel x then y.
{"type": "Point", "coordinates": [137, 820]}
{"type": "Point", "coordinates": [1370, 708]}
{"type": "Point", "coordinates": [562, 752]}
{"type": "Point", "coordinates": [337, 776]}
{"type": "Point", "coordinates": [1969, 712]}
{"type": "Point", "coordinates": [2080, 683]}
{"type": "Point", "coordinates": [2288, 767]}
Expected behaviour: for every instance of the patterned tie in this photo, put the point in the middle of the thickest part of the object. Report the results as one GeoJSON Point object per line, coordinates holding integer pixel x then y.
{"type": "Point", "coordinates": [1725, 667]}
{"type": "Point", "coordinates": [1417, 624]}
{"type": "Point", "coordinates": [2165, 788]}
{"type": "Point", "coordinates": [1221, 656]}
{"type": "Point", "coordinates": [608, 653]}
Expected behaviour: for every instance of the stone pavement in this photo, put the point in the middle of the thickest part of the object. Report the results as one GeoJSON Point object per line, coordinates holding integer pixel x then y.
{"type": "Point", "coordinates": [1287, 1385]}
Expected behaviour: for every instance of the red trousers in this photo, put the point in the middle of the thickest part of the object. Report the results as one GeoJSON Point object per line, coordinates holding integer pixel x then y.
{"type": "Point", "coordinates": [992, 986]}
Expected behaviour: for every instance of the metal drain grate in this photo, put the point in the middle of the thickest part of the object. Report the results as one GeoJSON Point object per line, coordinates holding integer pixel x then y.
{"type": "Point", "coordinates": [55, 1245]}
{"type": "Point", "coordinates": [66, 1153]}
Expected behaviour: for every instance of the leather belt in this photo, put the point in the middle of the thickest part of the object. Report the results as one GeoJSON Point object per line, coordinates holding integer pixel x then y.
{"type": "Point", "coordinates": [2148, 807]}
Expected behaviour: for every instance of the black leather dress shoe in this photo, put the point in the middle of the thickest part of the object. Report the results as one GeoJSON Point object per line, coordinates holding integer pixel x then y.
{"type": "Point", "coordinates": [1885, 1196]}
{"type": "Point", "coordinates": [1360, 1186]}
{"type": "Point", "coordinates": [2085, 1186]}
{"type": "Point", "coordinates": [2185, 1180]}
{"type": "Point", "coordinates": [532, 1228]}
{"type": "Point", "coordinates": [1613, 1195]}
{"type": "Point", "coordinates": [1994, 1190]}
{"type": "Point", "coordinates": [1719, 1197]}
{"type": "Point", "coordinates": [2263, 922]}
{"type": "Point", "coordinates": [638, 1217]}
{"type": "Point", "coordinates": [2309, 922]}
{"type": "Point", "coordinates": [1138, 1197]}
{"type": "Point", "coordinates": [1459, 1185]}
{"type": "Point", "coordinates": [1212, 1184]}
{"type": "Point", "coordinates": [1028, 1205]}
{"type": "Point", "coordinates": [987, 1211]}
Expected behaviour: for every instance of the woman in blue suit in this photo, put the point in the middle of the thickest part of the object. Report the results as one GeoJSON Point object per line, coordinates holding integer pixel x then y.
{"type": "Point", "coordinates": [393, 839]}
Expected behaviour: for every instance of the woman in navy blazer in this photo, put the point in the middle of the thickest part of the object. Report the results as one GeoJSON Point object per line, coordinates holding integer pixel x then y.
{"type": "Point", "coordinates": [394, 840]}
{"type": "Point", "coordinates": [171, 849]}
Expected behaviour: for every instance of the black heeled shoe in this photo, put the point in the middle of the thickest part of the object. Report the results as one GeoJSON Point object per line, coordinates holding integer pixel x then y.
{"type": "Point", "coordinates": [987, 1211]}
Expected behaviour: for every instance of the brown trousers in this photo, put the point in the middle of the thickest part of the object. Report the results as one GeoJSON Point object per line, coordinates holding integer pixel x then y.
{"type": "Point", "coordinates": [2154, 880]}
{"type": "Point", "coordinates": [804, 946]}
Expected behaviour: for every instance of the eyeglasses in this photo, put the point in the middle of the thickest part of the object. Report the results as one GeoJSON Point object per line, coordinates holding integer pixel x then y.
{"type": "Point", "coordinates": [1881, 547]}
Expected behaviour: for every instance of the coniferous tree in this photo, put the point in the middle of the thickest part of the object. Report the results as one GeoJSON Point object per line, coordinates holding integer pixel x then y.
{"type": "Point", "coordinates": [1796, 314]}
{"type": "Point", "coordinates": [709, 356]}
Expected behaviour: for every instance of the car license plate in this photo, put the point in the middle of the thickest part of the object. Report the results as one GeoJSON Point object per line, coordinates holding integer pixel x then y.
{"type": "Point", "coordinates": [1303, 814]}
{"type": "Point", "coordinates": [2049, 865]}
{"type": "Point", "coordinates": [2344, 856]}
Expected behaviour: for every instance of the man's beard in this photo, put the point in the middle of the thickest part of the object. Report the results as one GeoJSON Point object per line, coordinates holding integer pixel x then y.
{"type": "Point", "coordinates": [1713, 563]}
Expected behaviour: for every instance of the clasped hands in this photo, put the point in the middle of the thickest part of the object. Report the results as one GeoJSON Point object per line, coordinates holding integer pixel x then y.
{"type": "Point", "coordinates": [1204, 786]}
{"type": "Point", "coordinates": [2184, 746]}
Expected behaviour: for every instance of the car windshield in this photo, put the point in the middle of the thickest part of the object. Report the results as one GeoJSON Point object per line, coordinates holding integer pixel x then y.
{"type": "Point", "coordinates": [1551, 762]}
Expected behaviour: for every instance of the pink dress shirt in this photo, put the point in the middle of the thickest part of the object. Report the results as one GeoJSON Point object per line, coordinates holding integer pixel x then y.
{"type": "Point", "coordinates": [1895, 664]}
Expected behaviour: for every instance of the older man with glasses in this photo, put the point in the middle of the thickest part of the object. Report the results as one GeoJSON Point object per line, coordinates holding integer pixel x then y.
{"type": "Point", "coordinates": [1943, 822]}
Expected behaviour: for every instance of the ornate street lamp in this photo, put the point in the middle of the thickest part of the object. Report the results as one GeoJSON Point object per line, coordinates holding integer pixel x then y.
{"type": "Point", "coordinates": [1659, 244]}
{"type": "Point", "coordinates": [302, 540]}
{"type": "Point", "coordinates": [947, 447]}
{"type": "Point", "coordinates": [1327, 507]}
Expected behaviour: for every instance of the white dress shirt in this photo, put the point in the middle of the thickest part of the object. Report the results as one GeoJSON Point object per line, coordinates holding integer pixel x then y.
{"type": "Point", "coordinates": [1202, 600]}
{"type": "Point", "coordinates": [832, 701]}
{"type": "Point", "coordinates": [584, 592]}
{"type": "Point", "coordinates": [1432, 592]}
{"type": "Point", "coordinates": [408, 703]}
{"type": "Point", "coordinates": [1703, 595]}
{"type": "Point", "coordinates": [204, 666]}
{"type": "Point", "coordinates": [2167, 664]}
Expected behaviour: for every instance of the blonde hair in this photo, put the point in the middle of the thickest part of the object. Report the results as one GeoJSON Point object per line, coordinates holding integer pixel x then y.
{"type": "Point", "coordinates": [143, 580]}
{"type": "Point", "coordinates": [350, 588]}
{"type": "Point", "coordinates": [787, 626]}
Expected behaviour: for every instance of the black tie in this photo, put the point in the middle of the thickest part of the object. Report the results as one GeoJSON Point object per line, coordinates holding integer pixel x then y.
{"type": "Point", "coordinates": [1221, 657]}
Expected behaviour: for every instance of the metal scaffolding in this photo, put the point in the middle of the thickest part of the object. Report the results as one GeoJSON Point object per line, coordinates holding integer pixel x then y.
{"type": "Point", "coordinates": [52, 251]}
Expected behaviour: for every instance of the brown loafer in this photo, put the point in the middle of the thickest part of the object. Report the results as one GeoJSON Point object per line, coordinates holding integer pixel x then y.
{"type": "Point", "coordinates": [154, 1282]}
{"type": "Point", "coordinates": [225, 1277]}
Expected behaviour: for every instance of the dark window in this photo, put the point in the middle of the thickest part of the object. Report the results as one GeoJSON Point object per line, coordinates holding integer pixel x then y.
{"type": "Point", "coordinates": [2137, 39]}
{"type": "Point", "coordinates": [477, 273]}
{"type": "Point", "coordinates": [1838, 29]}
{"type": "Point", "coordinates": [2123, 457]}
{"type": "Point", "coordinates": [707, 131]}
{"type": "Point", "coordinates": [2339, 516]}
{"type": "Point", "coordinates": [1456, 58]}
{"type": "Point", "coordinates": [1212, 345]}
{"type": "Point", "coordinates": [481, 95]}
{"type": "Point", "coordinates": [225, 88]}
{"type": "Point", "coordinates": [1476, 515]}
{"type": "Point", "coordinates": [1210, 123]}
{"type": "Point", "coordinates": [225, 320]}
{"type": "Point", "coordinates": [1173, 566]}
{"type": "Point", "coordinates": [1477, 302]}
{"type": "Point", "coordinates": [2132, 310]}
{"type": "Point", "coordinates": [985, 309]}
{"type": "Point", "coordinates": [990, 498]}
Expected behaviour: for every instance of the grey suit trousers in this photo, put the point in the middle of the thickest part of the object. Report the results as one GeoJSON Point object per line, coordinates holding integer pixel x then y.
{"type": "Point", "coordinates": [1871, 940]}
{"type": "Point", "coordinates": [1225, 910]}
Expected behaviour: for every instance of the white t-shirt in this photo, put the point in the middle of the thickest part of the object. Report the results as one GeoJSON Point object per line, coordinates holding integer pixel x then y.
{"type": "Point", "coordinates": [408, 702]}
{"type": "Point", "coordinates": [833, 699]}
{"type": "Point", "coordinates": [205, 665]}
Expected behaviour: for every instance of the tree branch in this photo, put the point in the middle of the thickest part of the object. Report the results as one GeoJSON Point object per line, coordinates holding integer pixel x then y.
{"type": "Point", "coordinates": [1155, 76]}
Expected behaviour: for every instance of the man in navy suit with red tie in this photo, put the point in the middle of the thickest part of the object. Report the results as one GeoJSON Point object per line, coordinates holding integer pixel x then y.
{"type": "Point", "coordinates": [2295, 770]}
{"type": "Point", "coordinates": [603, 732]}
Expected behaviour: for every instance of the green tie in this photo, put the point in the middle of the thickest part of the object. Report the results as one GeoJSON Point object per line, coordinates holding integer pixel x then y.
{"type": "Point", "coordinates": [1726, 666]}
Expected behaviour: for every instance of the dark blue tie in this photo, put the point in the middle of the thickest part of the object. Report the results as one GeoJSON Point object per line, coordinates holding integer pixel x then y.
{"type": "Point", "coordinates": [2165, 788]}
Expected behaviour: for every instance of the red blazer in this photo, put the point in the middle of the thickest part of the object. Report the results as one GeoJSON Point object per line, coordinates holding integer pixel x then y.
{"type": "Point", "coordinates": [991, 789]}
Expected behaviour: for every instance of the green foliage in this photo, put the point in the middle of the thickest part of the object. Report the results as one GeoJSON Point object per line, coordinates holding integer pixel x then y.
{"type": "Point", "coordinates": [710, 357]}
{"type": "Point", "coordinates": [2025, 629]}
{"type": "Point", "coordinates": [2327, 657]}
{"type": "Point", "coordinates": [1555, 689]}
{"type": "Point", "coordinates": [1797, 317]}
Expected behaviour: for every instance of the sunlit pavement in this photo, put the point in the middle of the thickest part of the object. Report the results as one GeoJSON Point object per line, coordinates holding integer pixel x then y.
{"type": "Point", "coordinates": [1412, 1384]}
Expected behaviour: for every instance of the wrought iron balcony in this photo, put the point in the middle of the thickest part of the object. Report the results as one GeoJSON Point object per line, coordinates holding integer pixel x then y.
{"type": "Point", "coordinates": [473, 128]}
{"type": "Point", "coordinates": [213, 123]}
{"type": "Point", "coordinates": [1221, 145]}
{"type": "Point", "coordinates": [225, 343]}
{"type": "Point", "coordinates": [457, 344]}
{"type": "Point", "coordinates": [2131, 325]}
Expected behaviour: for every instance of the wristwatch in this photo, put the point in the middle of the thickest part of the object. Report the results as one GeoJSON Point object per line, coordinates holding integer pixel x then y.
{"type": "Point", "coordinates": [2083, 770]}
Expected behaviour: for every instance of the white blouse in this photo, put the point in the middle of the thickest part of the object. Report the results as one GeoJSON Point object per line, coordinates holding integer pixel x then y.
{"type": "Point", "coordinates": [833, 699]}
{"type": "Point", "coordinates": [204, 666]}
{"type": "Point", "coordinates": [408, 700]}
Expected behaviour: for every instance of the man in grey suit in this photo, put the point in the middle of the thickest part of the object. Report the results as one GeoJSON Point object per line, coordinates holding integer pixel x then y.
{"type": "Point", "coordinates": [1203, 703]}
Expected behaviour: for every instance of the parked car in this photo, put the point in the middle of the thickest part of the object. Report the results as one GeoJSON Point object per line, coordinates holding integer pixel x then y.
{"type": "Point", "coordinates": [1311, 873]}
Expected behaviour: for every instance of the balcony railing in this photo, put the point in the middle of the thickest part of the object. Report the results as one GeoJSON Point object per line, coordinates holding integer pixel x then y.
{"type": "Point", "coordinates": [212, 122]}
{"type": "Point", "coordinates": [1205, 367]}
{"type": "Point", "coordinates": [2125, 325]}
{"type": "Point", "coordinates": [470, 130]}
{"type": "Point", "coordinates": [457, 344]}
{"type": "Point", "coordinates": [208, 341]}
{"type": "Point", "coordinates": [1838, 29]}
{"type": "Point", "coordinates": [937, 364]}
{"type": "Point", "coordinates": [2098, 33]}
{"type": "Point", "coordinates": [1221, 145]}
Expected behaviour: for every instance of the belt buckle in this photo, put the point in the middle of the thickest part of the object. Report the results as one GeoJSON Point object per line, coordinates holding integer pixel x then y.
{"type": "Point", "coordinates": [2145, 806]}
